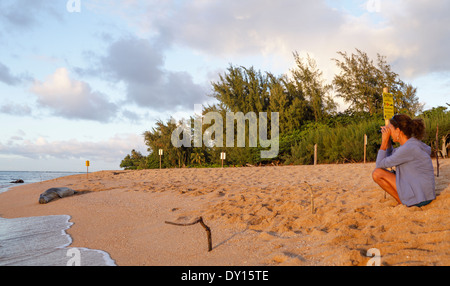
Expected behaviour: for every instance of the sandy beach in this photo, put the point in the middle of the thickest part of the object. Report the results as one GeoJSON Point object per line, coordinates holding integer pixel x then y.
{"type": "Point", "coordinates": [257, 215]}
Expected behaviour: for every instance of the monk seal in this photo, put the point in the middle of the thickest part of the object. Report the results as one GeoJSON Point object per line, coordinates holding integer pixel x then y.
{"type": "Point", "coordinates": [55, 193]}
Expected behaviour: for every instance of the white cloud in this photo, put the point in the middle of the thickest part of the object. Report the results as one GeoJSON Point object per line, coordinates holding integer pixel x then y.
{"type": "Point", "coordinates": [7, 77]}
{"type": "Point", "coordinates": [25, 14]}
{"type": "Point", "coordinates": [414, 35]}
{"type": "Point", "coordinates": [15, 109]}
{"type": "Point", "coordinates": [419, 34]}
{"type": "Point", "coordinates": [139, 64]}
{"type": "Point", "coordinates": [110, 150]}
{"type": "Point", "coordinates": [72, 99]}
{"type": "Point", "coordinates": [252, 27]}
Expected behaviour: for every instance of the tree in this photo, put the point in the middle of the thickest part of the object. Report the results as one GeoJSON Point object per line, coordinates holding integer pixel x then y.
{"type": "Point", "coordinates": [197, 156]}
{"type": "Point", "coordinates": [361, 83]}
{"type": "Point", "coordinates": [406, 100]}
{"type": "Point", "coordinates": [308, 79]}
{"type": "Point", "coordinates": [247, 90]}
{"type": "Point", "coordinates": [161, 138]}
{"type": "Point", "coordinates": [127, 163]}
{"type": "Point", "coordinates": [289, 102]}
{"type": "Point", "coordinates": [242, 90]}
{"type": "Point", "coordinates": [135, 161]}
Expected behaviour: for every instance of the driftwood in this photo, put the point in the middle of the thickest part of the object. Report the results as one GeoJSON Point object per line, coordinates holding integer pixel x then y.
{"type": "Point", "coordinates": [200, 221]}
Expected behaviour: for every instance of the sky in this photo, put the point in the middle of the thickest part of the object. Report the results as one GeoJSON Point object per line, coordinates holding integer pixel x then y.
{"type": "Point", "coordinates": [84, 79]}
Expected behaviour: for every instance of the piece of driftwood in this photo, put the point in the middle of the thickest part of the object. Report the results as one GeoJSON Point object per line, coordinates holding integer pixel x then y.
{"type": "Point", "coordinates": [200, 221]}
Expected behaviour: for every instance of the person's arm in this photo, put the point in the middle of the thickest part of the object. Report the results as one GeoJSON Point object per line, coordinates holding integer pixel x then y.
{"type": "Point", "coordinates": [387, 157]}
{"type": "Point", "coordinates": [401, 155]}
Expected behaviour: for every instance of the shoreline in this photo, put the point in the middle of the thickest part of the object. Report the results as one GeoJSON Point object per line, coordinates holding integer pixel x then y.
{"type": "Point", "coordinates": [258, 216]}
{"type": "Point", "coordinates": [43, 241]}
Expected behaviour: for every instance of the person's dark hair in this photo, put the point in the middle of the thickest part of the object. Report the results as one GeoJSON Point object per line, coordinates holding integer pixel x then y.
{"type": "Point", "coordinates": [410, 127]}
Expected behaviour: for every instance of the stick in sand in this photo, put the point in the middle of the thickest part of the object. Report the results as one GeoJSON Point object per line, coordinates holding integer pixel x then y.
{"type": "Point", "coordinates": [437, 149]}
{"type": "Point", "coordinates": [198, 220]}
{"type": "Point", "coordinates": [312, 197]}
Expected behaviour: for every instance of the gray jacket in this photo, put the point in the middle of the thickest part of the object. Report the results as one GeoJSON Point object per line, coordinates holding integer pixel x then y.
{"type": "Point", "coordinates": [414, 171]}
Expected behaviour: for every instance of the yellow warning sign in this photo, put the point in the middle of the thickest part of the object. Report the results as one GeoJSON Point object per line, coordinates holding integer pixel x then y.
{"type": "Point", "coordinates": [388, 105]}
{"type": "Point", "coordinates": [87, 163]}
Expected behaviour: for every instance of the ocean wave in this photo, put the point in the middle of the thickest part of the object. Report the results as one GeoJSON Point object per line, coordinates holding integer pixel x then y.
{"type": "Point", "coordinates": [43, 241]}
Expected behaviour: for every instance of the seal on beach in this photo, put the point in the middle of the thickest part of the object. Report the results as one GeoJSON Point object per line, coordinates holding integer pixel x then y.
{"type": "Point", "coordinates": [19, 181]}
{"type": "Point", "coordinates": [55, 193]}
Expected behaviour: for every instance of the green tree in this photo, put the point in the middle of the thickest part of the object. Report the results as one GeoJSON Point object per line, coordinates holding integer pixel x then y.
{"type": "Point", "coordinates": [406, 100]}
{"type": "Point", "coordinates": [160, 137]}
{"type": "Point", "coordinates": [361, 82]}
{"type": "Point", "coordinates": [289, 102]}
{"type": "Point", "coordinates": [247, 90]}
{"type": "Point", "coordinates": [197, 156]}
{"type": "Point", "coordinates": [308, 79]}
{"type": "Point", "coordinates": [242, 89]}
{"type": "Point", "coordinates": [134, 161]}
{"type": "Point", "coordinates": [127, 163]}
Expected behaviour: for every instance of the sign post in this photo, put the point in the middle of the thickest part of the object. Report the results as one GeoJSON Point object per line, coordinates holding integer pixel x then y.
{"type": "Point", "coordinates": [388, 105]}
{"type": "Point", "coordinates": [87, 169]}
{"type": "Point", "coordinates": [315, 155]}
{"type": "Point", "coordinates": [365, 147]}
{"type": "Point", "coordinates": [160, 154]}
{"type": "Point", "coordinates": [223, 156]}
{"type": "Point", "coordinates": [388, 109]}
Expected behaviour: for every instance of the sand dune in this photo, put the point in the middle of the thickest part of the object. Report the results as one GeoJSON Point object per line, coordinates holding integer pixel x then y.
{"type": "Point", "coordinates": [258, 216]}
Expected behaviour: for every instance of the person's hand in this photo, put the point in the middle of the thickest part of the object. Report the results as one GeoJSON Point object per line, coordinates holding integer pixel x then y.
{"type": "Point", "coordinates": [386, 132]}
{"type": "Point", "coordinates": [385, 136]}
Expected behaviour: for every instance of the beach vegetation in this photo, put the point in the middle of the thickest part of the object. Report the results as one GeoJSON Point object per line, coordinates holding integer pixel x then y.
{"type": "Point", "coordinates": [307, 115]}
{"type": "Point", "coordinates": [134, 161]}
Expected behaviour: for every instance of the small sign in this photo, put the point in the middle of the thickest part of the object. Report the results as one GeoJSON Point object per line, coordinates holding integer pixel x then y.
{"type": "Point", "coordinates": [87, 163]}
{"type": "Point", "coordinates": [388, 105]}
{"type": "Point", "coordinates": [223, 156]}
{"type": "Point", "coordinates": [160, 152]}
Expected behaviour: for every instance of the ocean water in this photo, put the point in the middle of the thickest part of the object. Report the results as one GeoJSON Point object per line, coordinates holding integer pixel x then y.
{"type": "Point", "coordinates": [6, 177]}
{"type": "Point", "coordinates": [42, 241]}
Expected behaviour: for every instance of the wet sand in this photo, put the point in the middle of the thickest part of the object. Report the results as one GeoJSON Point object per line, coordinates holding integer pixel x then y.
{"type": "Point", "coordinates": [257, 215]}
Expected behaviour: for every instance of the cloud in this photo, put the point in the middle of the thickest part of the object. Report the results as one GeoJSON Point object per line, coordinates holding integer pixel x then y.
{"type": "Point", "coordinates": [110, 150]}
{"type": "Point", "coordinates": [139, 64]}
{"type": "Point", "coordinates": [25, 14]}
{"type": "Point", "coordinates": [418, 35]}
{"type": "Point", "coordinates": [15, 109]}
{"type": "Point", "coordinates": [7, 77]}
{"type": "Point", "coordinates": [414, 35]}
{"type": "Point", "coordinates": [254, 26]}
{"type": "Point", "coordinates": [72, 99]}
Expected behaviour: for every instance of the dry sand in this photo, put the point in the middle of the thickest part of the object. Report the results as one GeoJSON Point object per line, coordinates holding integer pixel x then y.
{"type": "Point", "coordinates": [258, 216]}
